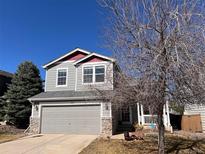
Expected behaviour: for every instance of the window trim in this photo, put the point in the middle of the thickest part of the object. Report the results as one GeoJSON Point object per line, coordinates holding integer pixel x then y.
{"type": "Point", "coordinates": [93, 67]}
{"type": "Point", "coordinates": [90, 67]}
{"type": "Point", "coordinates": [99, 73]}
{"type": "Point", "coordinates": [66, 77]}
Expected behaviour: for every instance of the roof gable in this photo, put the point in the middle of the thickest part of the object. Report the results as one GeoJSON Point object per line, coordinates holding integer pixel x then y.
{"type": "Point", "coordinates": [75, 54]}
{"type": "Point", "coordinates": [94, 57]}
{"type": "Point", "coordinates": [79, 56]}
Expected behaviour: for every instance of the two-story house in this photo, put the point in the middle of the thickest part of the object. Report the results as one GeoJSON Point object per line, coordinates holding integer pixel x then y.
{"type": "Point", "coordinates": [70, 103]}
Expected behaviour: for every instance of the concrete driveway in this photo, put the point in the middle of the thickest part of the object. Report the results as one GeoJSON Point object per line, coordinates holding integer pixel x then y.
{"type": "Point", "coordinates": [47, 144]}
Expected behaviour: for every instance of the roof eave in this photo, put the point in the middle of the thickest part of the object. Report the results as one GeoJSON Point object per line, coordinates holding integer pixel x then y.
{"type": "Point", "coordinates": [63, 98]}
{"type": "Point", "coordinates": [94, 54]}
{"type": "Point", "coordinates": [71, 52]}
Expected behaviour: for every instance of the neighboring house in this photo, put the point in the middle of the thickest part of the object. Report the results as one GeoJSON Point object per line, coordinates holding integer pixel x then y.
{"type": "Point", "coordinates": [70, 103]}
{"type": "Point", "coordinates": [5, 79]}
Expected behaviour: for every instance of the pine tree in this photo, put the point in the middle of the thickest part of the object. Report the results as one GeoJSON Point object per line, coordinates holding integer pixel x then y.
{"type": "Point", "coordinates": [2, 108]}
{"type": "Point", "coordinates": [26, 83]}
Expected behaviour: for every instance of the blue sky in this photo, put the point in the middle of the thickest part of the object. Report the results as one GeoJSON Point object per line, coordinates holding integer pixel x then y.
{"type": "Point", "coordinates": [41, 30]}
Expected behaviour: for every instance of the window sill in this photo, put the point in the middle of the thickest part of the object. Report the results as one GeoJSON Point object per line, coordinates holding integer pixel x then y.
{"type": "Point", "coordinates": [95, 83]}
{"type": "Point", "coordinates": [61, 85]}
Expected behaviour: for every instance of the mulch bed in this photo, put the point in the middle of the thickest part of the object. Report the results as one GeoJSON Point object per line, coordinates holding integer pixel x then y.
{"type": "Point", "coordinates": [10, 129]}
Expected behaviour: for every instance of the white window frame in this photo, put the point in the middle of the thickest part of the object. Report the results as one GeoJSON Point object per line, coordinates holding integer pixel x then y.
{"type": "Point", "coordinates": [99, 73]}
{"type": "Point", "coordinates": [66, 77]}
{"type": "Point", "coordinates": [93, 67]}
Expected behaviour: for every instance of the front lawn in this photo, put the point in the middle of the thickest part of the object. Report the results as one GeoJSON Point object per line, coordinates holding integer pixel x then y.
{"type": "Point", "coordinates": [148, 145]}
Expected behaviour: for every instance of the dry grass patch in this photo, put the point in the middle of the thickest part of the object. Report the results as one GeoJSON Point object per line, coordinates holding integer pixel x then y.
{"type": "Point", "coordinates": [149, 145]}
{"type": "Point", "coordinates": [9, 133]}
{"type": "Point", "coordinates": [9, 137]}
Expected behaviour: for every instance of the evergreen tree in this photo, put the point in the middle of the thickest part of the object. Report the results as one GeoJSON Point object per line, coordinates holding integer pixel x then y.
{"type": "Point", "coordinates": [2, 108]}
{"type": "Point", "coordinates": [26, 83]}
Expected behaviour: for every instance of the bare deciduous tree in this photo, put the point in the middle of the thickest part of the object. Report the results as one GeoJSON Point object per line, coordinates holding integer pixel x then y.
{"type": "Point", "coordinates": [161, 45]}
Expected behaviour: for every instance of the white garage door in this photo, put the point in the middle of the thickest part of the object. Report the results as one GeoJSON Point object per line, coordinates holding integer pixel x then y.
{"type": "Point", "coordinates": [83, 119]}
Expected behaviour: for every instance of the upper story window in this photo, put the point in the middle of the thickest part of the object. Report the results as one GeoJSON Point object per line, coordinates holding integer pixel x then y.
{"type": "Point", "coordinates": [62, 77]}
{"type": "Point", "coordinates": [99, 73]}
{"type": "Point", "coordinates": [94, 74]}
{"type": "Point", "coordinates": [88, 75]}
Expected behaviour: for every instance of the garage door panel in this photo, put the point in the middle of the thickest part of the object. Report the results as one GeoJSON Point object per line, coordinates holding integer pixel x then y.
{"type": "Point", "coordinates": [71, 119]}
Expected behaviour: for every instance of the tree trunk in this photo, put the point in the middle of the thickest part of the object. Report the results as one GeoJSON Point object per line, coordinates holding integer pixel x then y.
{"type": "Point", "coordinates": [161, 144]}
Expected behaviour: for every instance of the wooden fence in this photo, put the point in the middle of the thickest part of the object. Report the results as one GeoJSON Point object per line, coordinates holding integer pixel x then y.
{"type": "Point", "coordinates": [191, 123]}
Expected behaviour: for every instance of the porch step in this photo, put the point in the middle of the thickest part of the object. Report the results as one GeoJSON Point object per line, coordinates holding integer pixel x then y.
{"type": "Point", "coordinates": [124, 127]}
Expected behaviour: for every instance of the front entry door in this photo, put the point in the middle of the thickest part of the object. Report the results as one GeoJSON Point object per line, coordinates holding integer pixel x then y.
{"type": "Point", "coordinates": [125, 115]}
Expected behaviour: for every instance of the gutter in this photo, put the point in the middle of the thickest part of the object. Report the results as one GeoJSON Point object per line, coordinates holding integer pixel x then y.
{"type": "Point", "coordinates": [63, 98]}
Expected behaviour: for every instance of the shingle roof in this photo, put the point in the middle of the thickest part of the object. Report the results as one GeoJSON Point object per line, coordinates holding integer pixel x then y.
{"type": "Point", "coordinates": [7, 74]}
{"type": "Point", "coordinates": [65, 95]}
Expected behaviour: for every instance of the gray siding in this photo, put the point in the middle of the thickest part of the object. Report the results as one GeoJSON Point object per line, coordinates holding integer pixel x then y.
{"type": "Point", "coordinates": [52, 74]}
{"type": "Point", "coordinates": [106, 112]}
{"type": "Point", "coordinates": [108, 85]}
{"type": "Point", "coordinates": [72, 84]}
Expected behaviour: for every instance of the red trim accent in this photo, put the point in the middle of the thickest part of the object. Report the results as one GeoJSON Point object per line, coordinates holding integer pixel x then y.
{"type": "Point", "coordinates": [93, 59]}
{"type": "Point", "coordinates": [75, 56]}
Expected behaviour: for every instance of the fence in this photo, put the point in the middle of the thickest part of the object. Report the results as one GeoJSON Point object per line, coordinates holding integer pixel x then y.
{"type": "Point", "coordinates": [191, 123]}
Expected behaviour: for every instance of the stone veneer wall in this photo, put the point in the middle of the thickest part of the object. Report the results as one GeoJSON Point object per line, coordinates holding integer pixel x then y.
{"type": "Point", "coordinates": [34, 125]}
{"type": "Point", "coordinates": [106, 126]}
